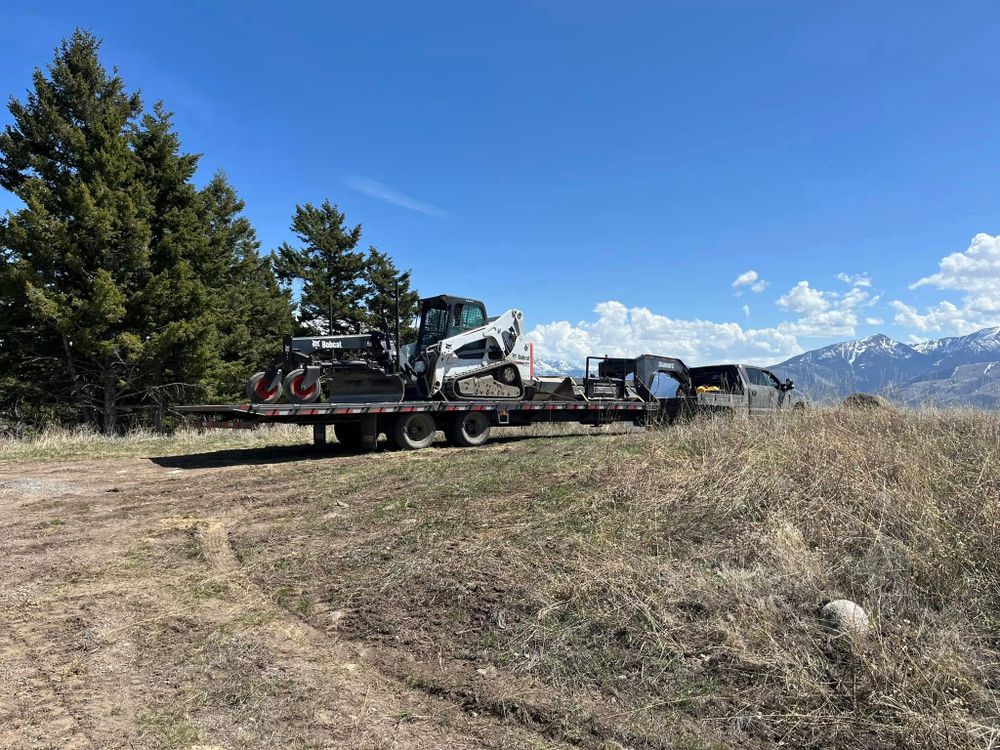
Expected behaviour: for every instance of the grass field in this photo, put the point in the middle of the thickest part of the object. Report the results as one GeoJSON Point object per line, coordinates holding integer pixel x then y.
{"type": "Point", "coordinates": [639, 590]}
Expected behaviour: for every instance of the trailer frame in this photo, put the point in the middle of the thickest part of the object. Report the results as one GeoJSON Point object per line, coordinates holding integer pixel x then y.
{"type": "Point", "coordinates": [375, 418]}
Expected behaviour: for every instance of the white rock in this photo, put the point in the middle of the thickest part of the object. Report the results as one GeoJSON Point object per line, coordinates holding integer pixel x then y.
{"type": "Point", "coordinates": [847, 618]}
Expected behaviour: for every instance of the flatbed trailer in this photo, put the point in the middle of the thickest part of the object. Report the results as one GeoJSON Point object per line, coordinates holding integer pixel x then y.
{"type": "Point", "coordinates": [412, 424]}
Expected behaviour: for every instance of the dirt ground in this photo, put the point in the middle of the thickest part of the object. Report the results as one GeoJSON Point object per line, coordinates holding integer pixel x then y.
{"type": "Point", "coordinates": [657, 590]}
{"type": "Point", "coordinates": [128, 621]}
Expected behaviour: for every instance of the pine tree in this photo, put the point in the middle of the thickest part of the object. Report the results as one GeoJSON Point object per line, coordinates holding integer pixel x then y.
{"type": "Point", "coordinates": [80, 248]}
{"type": "Point", "coordinates": [251, 312]}
{"type": "Point", "coordinates": [173, 309]}
{"type": "Point", "coordinates": [381, 280]}
{"type": "Point", "coordinates": [121, 285]}
{"type": "Point", "coordinates": [328, 268]}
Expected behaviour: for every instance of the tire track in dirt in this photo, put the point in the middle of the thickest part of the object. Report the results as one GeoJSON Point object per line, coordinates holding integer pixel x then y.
{"type": "Point", "coordinates": [341, 669]}
{"type": "Point", "coordinates": [33, 707]}
{"type": "Point", "coordinates": [282, 627]}
{"type": "Point", "coordinates": [108, 632]}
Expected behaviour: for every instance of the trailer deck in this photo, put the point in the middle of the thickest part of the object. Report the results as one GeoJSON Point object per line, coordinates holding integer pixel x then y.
{"type": "Point", "coordinates": [360, 424]}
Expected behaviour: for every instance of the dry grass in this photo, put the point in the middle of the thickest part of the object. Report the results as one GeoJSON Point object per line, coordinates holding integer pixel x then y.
{"type": "Point", "coordinates": [648, 590]}
{"type": "Point", "coordinates": [663, 589]}
{"type": "Point", "coordinates": [62, 443]}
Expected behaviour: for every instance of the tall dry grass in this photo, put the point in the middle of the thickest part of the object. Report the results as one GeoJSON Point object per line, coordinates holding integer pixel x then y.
{"type": "Point", "coordinates": [693, 598]}
{"type": "Point", "coordinates": [79, 443]}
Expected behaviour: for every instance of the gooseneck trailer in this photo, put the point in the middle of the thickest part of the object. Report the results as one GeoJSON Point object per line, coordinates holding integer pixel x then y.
{"type": "Point", "coordinates": [619, 392]}
{"type": "Point", "coordinates": [467, 373]}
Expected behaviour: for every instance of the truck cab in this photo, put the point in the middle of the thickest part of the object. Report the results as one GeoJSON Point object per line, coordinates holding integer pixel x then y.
{"type": "Point", "coordinates": [744, 388]}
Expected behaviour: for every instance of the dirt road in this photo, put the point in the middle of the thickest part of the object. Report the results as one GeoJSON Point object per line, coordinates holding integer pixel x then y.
{"type": "Point", "coordinates": [127, 620]}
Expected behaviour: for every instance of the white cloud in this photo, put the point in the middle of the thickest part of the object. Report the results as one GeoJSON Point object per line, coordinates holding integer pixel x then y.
{"type": "Point", "coordinates": [975, 271]}
{"type": "Point", "coordinates": [390, 195]}
{"type": "Point", "coordinates": [857, 297]}
{"type": "Point", "coordinates": [859, 279]}
{"type": "Point", "coordinates": [825, 313]}
{"type": "Point", "coordinates": [974, 314]}
{"type": "Point", "coordinates": [803, 299]}
{"type": "Point", "coordinates": [618, 330]}
{"type": "Point", "coordinates": [874, 321]}
{"type": "Point", "coordinates": [750, 280]}
{"type": "Point", "coordinates": [826, 323]}
{"type": "Point", "coordinates": [622, 331]}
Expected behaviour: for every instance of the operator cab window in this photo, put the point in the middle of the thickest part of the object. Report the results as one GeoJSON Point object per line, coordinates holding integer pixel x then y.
{"type": "Point", "coordinates": [434, 327]}
{"type": "Point", "coordinates": [465, 317]}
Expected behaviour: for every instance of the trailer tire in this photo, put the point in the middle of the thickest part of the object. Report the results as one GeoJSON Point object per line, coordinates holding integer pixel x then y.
{"type": "Point", "coordinates": [258, 392]}
{"type": "Point", "coordinates": [297, 394]}
{"type": "Point", "coordinates": [467, 429]}
{"type": "Point", "coordinates": [412, 431]}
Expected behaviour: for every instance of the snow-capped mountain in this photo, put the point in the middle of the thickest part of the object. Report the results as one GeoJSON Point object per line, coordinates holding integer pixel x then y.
{"type": "Point", "coordinates": [984, 341]}
{"type": "Point", "coordinates": [944, 371]}
{"type": "Point", "coordinates": [952, 352]}
{"type": "Point", "coordinates": [547, 367]}
{"type": "Point", "coordinates": [867, 365]}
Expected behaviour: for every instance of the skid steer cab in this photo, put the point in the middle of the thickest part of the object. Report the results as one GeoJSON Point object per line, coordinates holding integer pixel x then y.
{"type": "Point", "coordinates": [460, 353]}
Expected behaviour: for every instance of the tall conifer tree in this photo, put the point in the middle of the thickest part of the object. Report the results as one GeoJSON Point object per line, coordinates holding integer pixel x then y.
{"type": "Point", "coordinates": [79, 250]}
{"type": "Point", "coordinates": [251, 312]}
{"type": "Point", "coordinates": [122, 286]}
{"type": "Point", "coordinates": [328, 267]}
{"type": "Point", "coordinates": [382, 279]}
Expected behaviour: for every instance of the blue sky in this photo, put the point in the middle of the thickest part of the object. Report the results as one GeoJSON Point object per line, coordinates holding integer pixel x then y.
{"type": "Point", "coordinates": [612, 169]}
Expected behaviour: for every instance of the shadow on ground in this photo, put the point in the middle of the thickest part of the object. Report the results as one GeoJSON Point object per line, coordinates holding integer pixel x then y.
{"type": "Point", "coordinates": [252, 456]}
{"type": "Point", "coordinates": [304, 452]}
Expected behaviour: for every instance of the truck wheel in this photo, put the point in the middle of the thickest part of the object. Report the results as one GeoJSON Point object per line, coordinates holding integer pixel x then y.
{"type": "Point", "coordinates": [467, 430]}
{"type": "Point", "coordinates": [412, 431]}
{"type": "Point", "coordinates": [349, 435]}
{"type": "Point", "coordinates": [259, 391]}
{"type": "Point", "coordinates": [296, 393]}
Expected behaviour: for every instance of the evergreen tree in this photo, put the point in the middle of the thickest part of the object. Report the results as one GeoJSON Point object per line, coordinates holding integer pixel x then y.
{"type": "Point", "coordinates": [80, 248]}
{"type": "Point", "coordinates": [121, 285]}
{"type": "Point", "coordinates": [251, 311]}
{"type": "Point", "coordinates": [173, 308]}
{"type": "Point", "coordinates": [381, 280]}
{"type": "Point", "coordinates": [328, 267]}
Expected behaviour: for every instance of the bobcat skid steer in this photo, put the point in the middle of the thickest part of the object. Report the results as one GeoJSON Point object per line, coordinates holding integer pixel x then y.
{"type": "Point", "coordinates": [461, 354]}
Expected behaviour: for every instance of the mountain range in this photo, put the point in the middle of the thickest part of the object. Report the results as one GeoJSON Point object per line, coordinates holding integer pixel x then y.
{"type": "Point", "coordinates": [953, 371]}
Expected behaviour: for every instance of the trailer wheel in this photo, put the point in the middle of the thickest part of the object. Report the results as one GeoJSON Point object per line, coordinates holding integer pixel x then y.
{"type": "Point", "coordinates": [467, 429]}
{"type": "Point", "coordinates": [296, 393]}
{"type": "Point", "coordinates": [349, 435]}
{"type": "Point", "coordinates": [413, 430]}
{"type": "Point", "coordinates": [258, 391]}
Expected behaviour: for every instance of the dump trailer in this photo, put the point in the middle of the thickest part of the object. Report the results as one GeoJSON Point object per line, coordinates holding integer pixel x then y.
{"type": "Point", "coordinates": [613, 389]}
